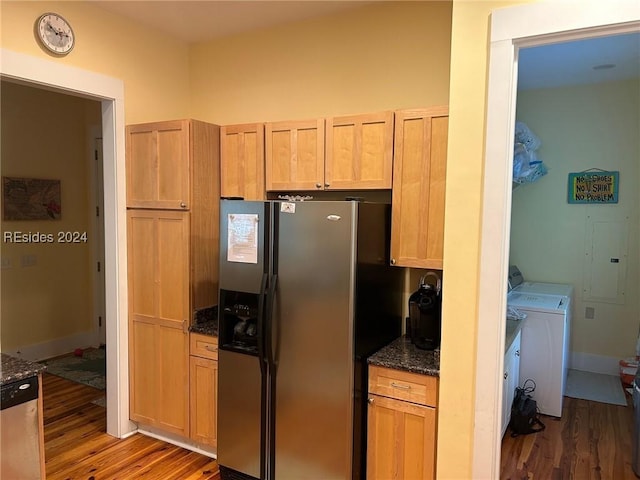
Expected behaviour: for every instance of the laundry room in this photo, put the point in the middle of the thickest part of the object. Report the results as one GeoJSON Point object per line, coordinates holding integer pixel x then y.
{"type": "Point", "coordinates": [575, 212]}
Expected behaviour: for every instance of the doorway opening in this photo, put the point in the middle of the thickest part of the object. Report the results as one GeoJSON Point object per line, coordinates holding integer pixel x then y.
{"type": "Point", "coordinates": [514, 28]}
{"type": "Point", "coordinates": [47, 74]}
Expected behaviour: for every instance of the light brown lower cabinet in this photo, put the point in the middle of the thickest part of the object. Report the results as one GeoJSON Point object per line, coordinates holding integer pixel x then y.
{"type": "Point", "coordinates": [401, 437]}
{"type": "Point", "coordinates": [203, 383]}
{"type": "Point", "coordinates": [159, 399]}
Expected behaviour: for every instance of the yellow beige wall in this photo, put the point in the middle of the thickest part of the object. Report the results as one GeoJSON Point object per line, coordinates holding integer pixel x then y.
{"type": "Point", "coordinates": [383, 56]}
{"type": "Point", "coordinates": [153, 67]}
{"type": "Point", "coordinates": [45, 135]}
{"type": "Point", "coordinates": [467, 109]}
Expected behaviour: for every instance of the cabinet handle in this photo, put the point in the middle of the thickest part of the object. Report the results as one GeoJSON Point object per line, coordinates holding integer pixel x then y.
{"type": "Point", "coordinates": [327, 185]}
{"type": "Point", "coordinates": [517, 353]}
{"type": "Point", "coordinates": [318, 185]}
{"type": "Point", "coordinates": [400, 386]}
{"type": "Point", "coordinates": [211, 348]}
{"type": "Point", "coordinates": [393, 261]}
{"type": "Point", "coordinates": [370, 400]}
{"type": "Point", "coordinates": [506, 374]}
{"type": "Point", "coordinates": [183, 205]}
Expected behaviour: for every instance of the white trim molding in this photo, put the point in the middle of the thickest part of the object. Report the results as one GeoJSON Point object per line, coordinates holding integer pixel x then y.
{"type": "Point", "coordinates": [54, 348]}
{"type": "Point", "coordinates": [589, 362]}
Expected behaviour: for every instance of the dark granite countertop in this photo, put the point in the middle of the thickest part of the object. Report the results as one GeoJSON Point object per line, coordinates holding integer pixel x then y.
{"type": "Point", "coordinates": [206, 322]}
{"type": "Point", "coordinates": [13, 369]}
{"type": "Point", "coordinates": [401, 354]}
{"type": "Point", "coordinates": [513, 327]}
{"type": "Point", "coordinates": [205, 328]}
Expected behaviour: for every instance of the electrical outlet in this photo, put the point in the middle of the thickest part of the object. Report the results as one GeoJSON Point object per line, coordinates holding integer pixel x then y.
{"type": "Point", "coordinates": [590, 313]}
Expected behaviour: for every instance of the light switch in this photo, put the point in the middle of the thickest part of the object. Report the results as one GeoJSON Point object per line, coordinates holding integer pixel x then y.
{"type": "Point", "coordinates": [28, 260]}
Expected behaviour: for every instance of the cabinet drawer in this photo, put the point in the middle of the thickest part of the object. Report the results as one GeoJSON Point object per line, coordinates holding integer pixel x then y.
{"type": "Point", "coordinates": [412, 387]}
{"type": "Point", "coordinates": [203, 346]}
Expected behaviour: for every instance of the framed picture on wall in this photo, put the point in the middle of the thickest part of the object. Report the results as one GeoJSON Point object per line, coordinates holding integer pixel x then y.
{"type": "Point", "coordinates": [30, 199]}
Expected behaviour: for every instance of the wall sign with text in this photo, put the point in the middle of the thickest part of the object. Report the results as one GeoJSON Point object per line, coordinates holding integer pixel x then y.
{"type": "Point", "coordinates": [593, 187]}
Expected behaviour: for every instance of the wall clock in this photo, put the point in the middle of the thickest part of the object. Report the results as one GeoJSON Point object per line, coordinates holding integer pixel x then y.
{"type": "Point", "coordinates": [55, 33]}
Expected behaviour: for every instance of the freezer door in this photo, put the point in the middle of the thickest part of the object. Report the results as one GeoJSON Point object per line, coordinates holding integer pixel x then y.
{"type": "Point", "coordinates": [244, 244]}
{"type": "Point", "coordinates": [239, 413]}
{"type": "Point", "coordinates": [313, 325]}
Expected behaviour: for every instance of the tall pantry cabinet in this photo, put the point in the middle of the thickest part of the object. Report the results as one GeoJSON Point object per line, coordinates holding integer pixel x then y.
{"type": "Point", "coordinates": [173, 191]}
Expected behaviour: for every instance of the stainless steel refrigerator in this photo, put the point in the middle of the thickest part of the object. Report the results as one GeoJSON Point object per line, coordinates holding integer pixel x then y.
{"type": "Point", "coordinates": [306, 294]}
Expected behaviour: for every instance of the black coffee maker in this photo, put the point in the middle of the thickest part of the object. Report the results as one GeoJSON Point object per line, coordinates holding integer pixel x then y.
{"type": "Point", "coordinates": [425, 309]}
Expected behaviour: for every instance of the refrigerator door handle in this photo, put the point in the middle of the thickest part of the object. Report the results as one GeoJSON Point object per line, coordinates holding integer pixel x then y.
{"type": "Point", "coordinates": [261, 321]}
{"type": "Point", "coordinates": [271, 295]}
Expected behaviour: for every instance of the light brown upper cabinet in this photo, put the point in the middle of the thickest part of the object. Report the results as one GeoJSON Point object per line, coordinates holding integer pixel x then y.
{"type": "Point", "coordinates": [294, 156]}
{"type": "Point", "coordinates": [242, 161]}
{"type": "Point", "coordinates": [166, 162]}
{"type": "Point", "coordinates": [158, 165]}
{"type": "Point", "coordinates": [359, 152]}
{"type": "Point", "coordinates": [419, 171]}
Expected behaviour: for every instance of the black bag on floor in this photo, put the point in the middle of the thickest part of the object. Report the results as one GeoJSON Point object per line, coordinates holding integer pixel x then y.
{"type": "Point", "coordinates": [525, 416]}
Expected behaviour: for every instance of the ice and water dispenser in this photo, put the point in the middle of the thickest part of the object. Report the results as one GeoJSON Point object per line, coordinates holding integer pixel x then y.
{"type": "Point", "coordinates": [239, 313]}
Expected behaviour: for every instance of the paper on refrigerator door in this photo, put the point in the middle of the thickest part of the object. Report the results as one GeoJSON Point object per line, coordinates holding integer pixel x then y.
{"type": "Point", "coordinates": [242, 238]}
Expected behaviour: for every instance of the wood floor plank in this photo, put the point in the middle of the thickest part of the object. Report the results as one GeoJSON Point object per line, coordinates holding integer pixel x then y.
{"type": "Point", "coordinates": [115, 460]}
{"type": "Point", "coordinates": [77, 447]}
{"type": "Point", "coordinates": [591, 440]}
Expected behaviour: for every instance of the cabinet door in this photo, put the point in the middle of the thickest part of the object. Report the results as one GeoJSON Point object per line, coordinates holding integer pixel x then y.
{"type": "Point", "coordinates": [419, 169]}
{"type": "Point", "coordinates": [359, 152]}
{"type": "Point", "coordinates": [159, 376]}
{"type": "Point", "coordinates": [401, 440]}
{"type": "Point", "coordinates": [242, 161]}
{"type": "Point", "coordinates": [294, 156]}
{"type": "Point", "coordinates": [204, 400]}
{"type": "Point", "coordinates": [158, 268]}
{"type": "Point", "coordinates": [158, 261]}
{"type": "Point", "coordinates": [511, 379]}
{"type": "Point", "coordinates": [158, 163]}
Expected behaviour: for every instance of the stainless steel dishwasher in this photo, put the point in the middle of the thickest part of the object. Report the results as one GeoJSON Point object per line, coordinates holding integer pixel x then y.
{"type": "Point", "coordinates": [19, 435]}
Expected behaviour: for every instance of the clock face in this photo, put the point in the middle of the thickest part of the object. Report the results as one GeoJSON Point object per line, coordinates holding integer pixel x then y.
{"type": "Point", "coordinates": [55, 33]}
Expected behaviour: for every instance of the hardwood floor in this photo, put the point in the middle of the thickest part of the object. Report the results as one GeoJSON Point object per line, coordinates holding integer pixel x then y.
{"type": "Point", "coordinates": [592, 440]}
{"type": "Point", "coordinates": [77, 447]}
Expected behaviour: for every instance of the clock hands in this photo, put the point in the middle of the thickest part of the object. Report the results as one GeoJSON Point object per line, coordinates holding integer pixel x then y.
{"type": "Point", "coordinates": [62, 35]}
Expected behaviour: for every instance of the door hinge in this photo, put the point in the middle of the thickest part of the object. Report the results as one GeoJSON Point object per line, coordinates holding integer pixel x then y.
{"type": "Point", "coordinates": [99, 267]}
{"type": "Point", "coordinates": [97, 211]}
{"type": "Point", "coordinates": [99, 321]}
{"type": "Point", "coordinates": [95, 154]}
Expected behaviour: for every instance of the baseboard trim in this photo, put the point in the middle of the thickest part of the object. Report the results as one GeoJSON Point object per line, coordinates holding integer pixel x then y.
{"type": "Point", "coordinates": [53, 348]}
{"type": "Point", "coordinates": [174, 440]}
{"type": "Point", "coordinates": [590, 362]}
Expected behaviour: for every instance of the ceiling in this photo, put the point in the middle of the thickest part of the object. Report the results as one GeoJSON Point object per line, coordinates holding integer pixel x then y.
{"type": "Point", "coordinates": [555, 65]}
{"type": "Point", "coordinates": [594, 60]}
{"type": "Point", "coordinates": [200, 21]}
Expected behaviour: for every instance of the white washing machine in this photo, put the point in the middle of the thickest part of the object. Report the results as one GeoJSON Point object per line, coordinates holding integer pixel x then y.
{"type": "Point", "coordinates": [517, 284]}
{"type": "Point", "coordinates": [544, 353]}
